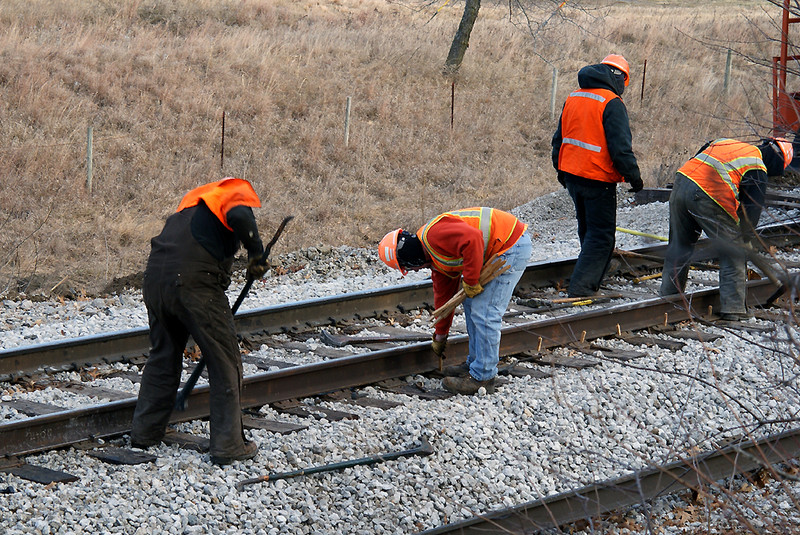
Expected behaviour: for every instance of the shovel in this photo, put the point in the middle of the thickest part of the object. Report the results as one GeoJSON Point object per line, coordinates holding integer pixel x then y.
{"type": "Point", "coordinates": [423, 449]}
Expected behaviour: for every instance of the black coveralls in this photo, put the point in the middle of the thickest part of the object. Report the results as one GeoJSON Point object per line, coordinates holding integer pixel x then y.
{"type": "Point", "coordinates": [184, 290]}
{"type": "Point", "coordinates": [596, 201]}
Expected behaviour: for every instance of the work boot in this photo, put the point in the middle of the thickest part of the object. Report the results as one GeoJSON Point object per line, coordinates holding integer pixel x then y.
{"type": "Point", "coordinates": [143, 444]}
{"type": "Point", "coordinates": [735, 316]}
{"type": "Point", "coordinates": [467, 385]}
{"type": "Point", "coordinates": [248, 452]}
{"type": "Point", "coordinates": [456, 370]}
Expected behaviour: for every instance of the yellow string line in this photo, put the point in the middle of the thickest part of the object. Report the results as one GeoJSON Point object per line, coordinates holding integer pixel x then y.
{"type": "Point", "coordinates": [646, 235]}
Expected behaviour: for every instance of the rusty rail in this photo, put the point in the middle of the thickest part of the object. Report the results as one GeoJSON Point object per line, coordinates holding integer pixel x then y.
{"type": "Point", "coordinates": [59, 429]}
{"type": "Point", "coordinates": [121, 346]}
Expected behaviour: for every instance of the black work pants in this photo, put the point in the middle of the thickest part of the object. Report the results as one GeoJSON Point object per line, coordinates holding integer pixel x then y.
{"type": "Point", "coordinates": [692, 211]}
{"type": "Point", "coordinates": [596, 212]}
{"type": "Point", "coordinates": [179, 306]}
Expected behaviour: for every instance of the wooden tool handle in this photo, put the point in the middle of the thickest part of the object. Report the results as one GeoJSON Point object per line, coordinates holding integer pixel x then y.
{"type": "Point", "coordinates": [493, 268]}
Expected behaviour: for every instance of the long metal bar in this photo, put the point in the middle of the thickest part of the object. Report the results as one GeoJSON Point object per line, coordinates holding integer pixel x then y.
{"type": "Point", "coordinates": [120, 346]}
{"type": "Point", "coordinates": [695, 472]}
{"type": "Point", "coordinates": [68, 427]}
{"type": "Point", "coordinates": [772, 198]}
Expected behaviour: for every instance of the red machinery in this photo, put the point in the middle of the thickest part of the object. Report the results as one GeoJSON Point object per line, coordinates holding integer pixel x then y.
{"type": "Point", "coordinates": [785, 104]}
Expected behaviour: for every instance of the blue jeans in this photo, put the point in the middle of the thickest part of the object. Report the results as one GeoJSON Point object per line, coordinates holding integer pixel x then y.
{"type": "Point", "coordinates": [484, 312]}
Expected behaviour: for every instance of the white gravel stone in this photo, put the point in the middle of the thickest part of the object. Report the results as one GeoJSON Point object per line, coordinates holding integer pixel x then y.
{"type": "Point", "coordinates": [531, 439]}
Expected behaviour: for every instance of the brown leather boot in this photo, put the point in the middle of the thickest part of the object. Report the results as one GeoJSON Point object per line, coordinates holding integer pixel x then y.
{"type": "Point", "coordinates": [467, 385]}
{"type": "Point", "coordinates": [455, 370]}
{"type": "Point", "coordinates": [248, 452]}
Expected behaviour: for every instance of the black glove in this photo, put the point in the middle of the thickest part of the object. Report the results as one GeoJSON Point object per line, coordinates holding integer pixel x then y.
{"type": "Point", "coordinates": [257, 266]}
{"type": "Point", "coordinates": [438, 346]}
{"type": "Point", "coordinates": [636, 185]}
{"type": "Point", "coordinates": [561, 181]}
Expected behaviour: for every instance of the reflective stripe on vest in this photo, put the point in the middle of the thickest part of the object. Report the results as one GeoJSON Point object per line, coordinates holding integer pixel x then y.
{"type": "Point", "coordinates": [496, 226]}
{"type": "Point", "coordinates": [584, 150]}
{"type": "Point", "coordinates": [221, 196]}
{"type": "Point", "coordinates": [587, 146]}
{"type": "Point", "coordinates": [719, 169]}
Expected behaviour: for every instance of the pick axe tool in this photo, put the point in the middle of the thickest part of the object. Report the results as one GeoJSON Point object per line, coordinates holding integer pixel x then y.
{"type": "Point", "coordinates": [423, 449]}
{"type": "Point", "coordinates": [180, 401]}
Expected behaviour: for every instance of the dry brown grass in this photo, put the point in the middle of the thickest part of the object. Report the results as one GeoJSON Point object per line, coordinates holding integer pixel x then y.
{"type": "Point", "coordinates": [154, 77]}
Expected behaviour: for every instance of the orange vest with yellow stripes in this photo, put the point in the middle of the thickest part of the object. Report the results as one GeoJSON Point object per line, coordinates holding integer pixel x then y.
{"type": "Point", "coordinates": [500, 230]}
{"type": "Point", "coordinates": [719, 169]}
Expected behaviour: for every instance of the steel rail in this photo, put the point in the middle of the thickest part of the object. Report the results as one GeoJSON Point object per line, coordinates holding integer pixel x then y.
{"type": "Point", "coordinates": [59, 429]}
{"type": "Point", "coordinates": [124, 345]}
{"type": "Point", "coordinates": [695, 472]}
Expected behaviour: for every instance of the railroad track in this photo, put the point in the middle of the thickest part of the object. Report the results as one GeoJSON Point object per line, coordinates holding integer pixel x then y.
{"type": "Point", "coordinates": [75, 354]}
{"type": "Point", "coordinates": [696, 472]}
{"type": "Point", "coordinates": [50, 427]}
{"type": "Point", "coordinates": [58, 428]}
{"type": "Point", "coordinates": [534, 338]}
{"type": "Point", "coordinates": [526, 338]}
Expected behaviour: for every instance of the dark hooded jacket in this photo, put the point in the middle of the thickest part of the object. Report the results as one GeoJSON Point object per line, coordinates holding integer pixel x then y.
{"type": "Point", "coordinates": [615, 124]}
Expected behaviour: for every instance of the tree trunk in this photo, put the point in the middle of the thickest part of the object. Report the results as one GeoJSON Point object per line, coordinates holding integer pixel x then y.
{"type": "Point", "coordinates": [461, 39]}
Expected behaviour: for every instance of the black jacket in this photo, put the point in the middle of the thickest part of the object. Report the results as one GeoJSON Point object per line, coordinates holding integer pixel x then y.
{"type": "Point", "coordinates": [615, 124]}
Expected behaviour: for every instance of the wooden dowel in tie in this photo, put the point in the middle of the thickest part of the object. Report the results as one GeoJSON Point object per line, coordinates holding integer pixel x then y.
{"type": "Point", "coordinates": [490, 270]}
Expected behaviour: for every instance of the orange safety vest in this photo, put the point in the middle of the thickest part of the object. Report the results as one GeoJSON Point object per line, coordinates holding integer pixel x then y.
{"type": "Point", "coordinates": [500, 230]}
{"type": "Point", "coordinates": [584, 151]}
{"type": "Point", "coordinates": [719, 169]}
{"type": "Point", "coordinates": [221, 196]}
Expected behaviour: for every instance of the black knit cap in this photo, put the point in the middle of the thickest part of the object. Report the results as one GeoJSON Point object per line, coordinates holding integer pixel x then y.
{"type": "Point", "coordinates": [772, 156]}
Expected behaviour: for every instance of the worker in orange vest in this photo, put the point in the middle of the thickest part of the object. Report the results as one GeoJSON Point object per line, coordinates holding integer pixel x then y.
{"type": "Point", "coordinates": [721, 191]}
{"type": "Point", "coordinates": [455, 245]}
{"type": "Point", "coordinates": [592, 152]}
{"type": "Point", "coordinates": [184, 290]}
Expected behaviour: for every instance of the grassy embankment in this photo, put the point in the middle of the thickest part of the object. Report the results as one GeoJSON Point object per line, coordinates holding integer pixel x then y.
{"type": "Point", "coordinates": [153, 82]}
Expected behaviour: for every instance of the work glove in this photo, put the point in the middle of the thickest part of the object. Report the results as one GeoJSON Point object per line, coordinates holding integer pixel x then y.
{"type": "Point", "coordinates": [257, 266]}
{"type": "Point", "coordinates": [636, 185]}
{"type": "Point", "coordinates": [438, 346]}
{"type": "Point", "coordinates": [470, 290]}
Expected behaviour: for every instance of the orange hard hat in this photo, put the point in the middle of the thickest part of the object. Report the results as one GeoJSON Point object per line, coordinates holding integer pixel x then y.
{"type": "Point", "coordinates": [617, 61]}
{"type": "Point", "coordinates": [786, 150]}
{"type": "Point", "coordinates": [387, 250]}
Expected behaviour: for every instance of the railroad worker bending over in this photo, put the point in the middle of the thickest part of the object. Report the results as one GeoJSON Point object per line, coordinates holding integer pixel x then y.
{"type": "Point", "coordinates": [184, 290]}
{"type": "Point", "coordinates": [455, 245]}
{"type": "Point", "coordinates": [720, 191]}
{"type": "Point", "coordinates": [592, 152]}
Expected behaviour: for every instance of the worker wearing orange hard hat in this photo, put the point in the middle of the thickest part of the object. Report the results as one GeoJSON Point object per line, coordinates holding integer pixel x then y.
{"type": "Point", "coordinates": [720, 191]}
{"type": "Point", "coordinates": [187, 273]}
{"type": "Point", "coordinates": [592, 153]}
{"type": "Point", "coordinates": [455, 245]}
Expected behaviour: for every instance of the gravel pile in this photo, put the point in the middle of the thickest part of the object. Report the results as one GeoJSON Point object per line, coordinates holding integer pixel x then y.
{"type": "Point", "coordinates": [531, 439]}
